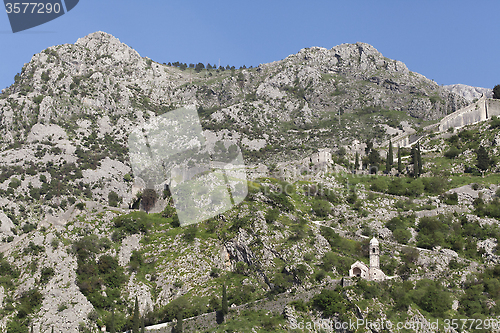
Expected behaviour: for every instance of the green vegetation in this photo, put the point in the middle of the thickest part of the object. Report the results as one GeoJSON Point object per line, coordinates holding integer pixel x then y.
{"type": "Point", "coordinates": [133, 223]}
{"type": "Point", "coordinates": [94, 273]}
{"type": "Point", "coordinates": [496, 91]}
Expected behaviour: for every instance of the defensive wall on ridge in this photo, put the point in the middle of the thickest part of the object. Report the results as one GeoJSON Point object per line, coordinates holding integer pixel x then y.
{"type": "Point", "coordinates": [481, 110]}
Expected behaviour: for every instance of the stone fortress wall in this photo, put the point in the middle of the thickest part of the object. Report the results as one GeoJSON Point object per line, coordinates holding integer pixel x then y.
{"type": "Point", "coordinates": [481, 110]}
{"type": "Point", "coordinates": [470, 114]}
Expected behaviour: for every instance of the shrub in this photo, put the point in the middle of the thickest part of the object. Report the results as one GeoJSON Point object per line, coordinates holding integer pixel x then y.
{"type": "Point", "coordinates": [54, 243]}
{"type": "Point", "coordinates": [134, 223]}
{"type": "Point", "coordinates": [415, 188]}
{"type": "Point", "coordinates": [215, 272]}
{"type": "Point", "coordinates": [33, 249]}
{"type": "Point", "coordinates": [430, 232]}
{"type": "Point", "coordinates": [330, 302]}
{"type": "Point", "coordinates": [402, 235]}
{"type": "Point", "coordinates": [281, 200]}
{"type": "Point", "coordinates": [148, 199]}
{"type": "Point", "coordinates": [299, 305]}
{"type": "Point", "coordinates": [452, 152]}
{"type": "Point", "coordinates": [321, 208]}
{"type": "Point", "coordinates": [272, 215]}
{"type": "Point", "coordinates": [431, 297]}
{"type": "Point", "coordinates": [379, 184]}
{"type": "Point", "coordinates": [80, 205]}
{"type": "Point", "coordinates": [113, 199]}
{"type": "Point", "coordinates": [395, 223]}
{"type": "Point", "coordinates": [136, 260]}
{"type": "Point", "coordinates": [397, 187]}
{"type": "Point", "coordinates": [28, 227]}
{"type": "Point", "coordinates": [190, 233]}
{"type": "Point", "coordinates": [451, 198]}
{"type": "Point", "coordinates": [46, 274]}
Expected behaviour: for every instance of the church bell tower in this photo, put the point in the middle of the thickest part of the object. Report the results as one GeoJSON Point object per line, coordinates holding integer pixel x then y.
{"type": "Point", "coordinates": [374, 253]}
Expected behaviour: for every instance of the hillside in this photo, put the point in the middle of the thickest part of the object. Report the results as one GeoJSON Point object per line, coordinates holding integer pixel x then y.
{"type": "Point", "coordinates": [76, 243]}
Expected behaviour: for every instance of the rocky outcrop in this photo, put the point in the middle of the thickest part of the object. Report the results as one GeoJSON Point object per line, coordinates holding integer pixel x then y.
{"type": "Point", "coordinates": [468, 92]}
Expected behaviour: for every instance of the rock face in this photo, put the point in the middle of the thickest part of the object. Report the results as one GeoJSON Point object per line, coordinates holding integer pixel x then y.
{"type": "Point", "coordinates": [468, 92]}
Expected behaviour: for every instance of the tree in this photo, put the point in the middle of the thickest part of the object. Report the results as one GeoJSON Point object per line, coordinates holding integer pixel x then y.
{"type": "Point", "coordinates": [148, 199]}
{"type": "Point", "coordinates": [419, 160]}
{"type": "Point", "coordinates": [374, 158]}
{"type": "Point", "coordinates": [225, 306]}
{"type": "Point", "coordinates": [135, 318]}
{"type": "Point", "coordinates": [390, 157]}
{"type": "Point", "coordinates": [483, 160]}
{"type": "Point", "coordinates": [143, 329]}
{"type": "Point", "coordinates": [400, 166]}
{"type": "Point", "coordinates": [496, 92]}
{"type": "Point", "coordinates": [415, 162]}
{"type": "Point", "coordinates": [356, 163]}
{"type": "Point", "coordinates": [199, 67]}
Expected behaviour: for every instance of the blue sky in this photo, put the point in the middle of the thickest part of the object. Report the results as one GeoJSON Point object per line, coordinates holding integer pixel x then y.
{"type": "Point", "coordinates": [447, 41]}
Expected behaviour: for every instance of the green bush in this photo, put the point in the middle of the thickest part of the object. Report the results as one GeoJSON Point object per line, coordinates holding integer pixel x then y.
{"type": "Point", "coordinates": [402, 235]}
{"type": "Point", "coordinates": [396, 222]}
{"type": "Point", "coordinates": [299, 305]}
{"type": "Point", "coordinates": [342, 264]}
{"type": "Point", "coordinates": [272, 215]}
{"type": "Point", "coordinates": [495, 122]}
{"type": "Point", "coordinates": [397, 186]}
{"type": "Point", "coordinates": [415, 188]}
{"type": "Point", "coordinates": [452, 152]}
{"type": "Point", "coordinates": [190, 233]}
{"type": "Point", "coordinates": [379, 184]}
{"type": "Point", "coordinates": [33, 249]}
{"type": "Point", "coordinates": [46, 274]}
{"type": "Point", "coordinates": [431, 297]}
{"type": "Point", "coordinates": [133, 223]}
{"type": "Point", "coordinates": [321, 208]}
{"type": "Point", "coordinates": [114, 199]}
{"type": "Point", "coordinates": [329, 302]}
{"type": "Point", "coordinates": [451, 198]}
{"type": "Point", "coordinates": [136, 260]}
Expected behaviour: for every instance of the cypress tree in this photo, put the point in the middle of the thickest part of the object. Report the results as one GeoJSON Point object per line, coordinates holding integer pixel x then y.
{"type": "Point", "coordinates": [400, 166]}
{"type": "Point", "coordinates": [356, 162]}
{"type": "Point", "coordinates": [390, 156]}
{"type": "Point", "coordinates": [415, 161]}
{"type": "Point", "coordinates": [419, 160]}
{"type": "Point", "coordinates": [52, 329]}
{"type": "Point", "coordinates": [143, 329]}
{"type": "Point", "coordinates": [225, 306]}
{"type": "Point", "coordinates": [135, 318]}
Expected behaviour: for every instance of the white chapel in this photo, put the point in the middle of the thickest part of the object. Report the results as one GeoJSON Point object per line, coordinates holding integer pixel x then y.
{"type": "Point", "coordinates": [372, 273]}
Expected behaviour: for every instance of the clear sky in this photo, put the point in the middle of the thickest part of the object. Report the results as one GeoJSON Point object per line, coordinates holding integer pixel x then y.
{"type": "Point", "coordinates": [447, 41]}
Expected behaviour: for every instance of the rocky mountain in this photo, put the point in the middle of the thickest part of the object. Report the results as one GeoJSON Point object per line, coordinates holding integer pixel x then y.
{"type": "Point", "coordinates": [77, 243]}
{"type": "Point", "coordinates": [338, 94]}
{"type": "Point", "coordinates": [468, 92]}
